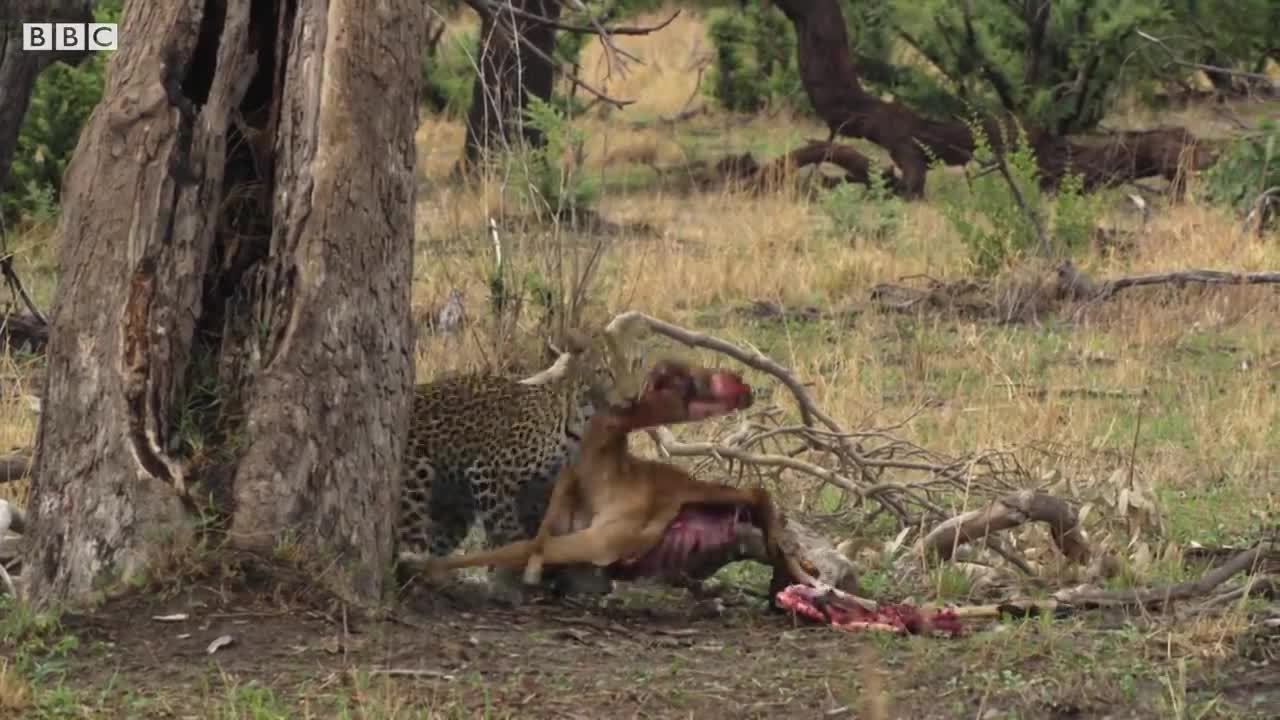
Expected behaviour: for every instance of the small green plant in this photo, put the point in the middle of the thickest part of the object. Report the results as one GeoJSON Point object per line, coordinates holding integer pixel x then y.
{"type": "Point", "coordinates": [1248, 168]}
{"type": "Point", "coordinates": [997, 229]}
{"type": "Point", "coordinates": [1075, 214]}
{"type": "Point", "coordinates": [872, 211]}
{"type": "Point", "coordinates": [551, 175]}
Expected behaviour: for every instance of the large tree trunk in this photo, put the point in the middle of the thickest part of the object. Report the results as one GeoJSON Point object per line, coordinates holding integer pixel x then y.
{"type": "Point", "coordinates": [18, 69]}
{"type": "Point", "coordinates": [236, 256]}
{"type": "Point", "coordinates": [509, 74]}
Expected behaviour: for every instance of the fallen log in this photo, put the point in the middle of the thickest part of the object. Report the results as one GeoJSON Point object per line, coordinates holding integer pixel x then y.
{"type": "Point", "coordinates": [1028, 299]}
{"type": "Point", "coordinates": [23, 332]}
{"type": "Point", "coordinates": [1163, 595]}
{"type": "Point", "coordinates": [15, 466]}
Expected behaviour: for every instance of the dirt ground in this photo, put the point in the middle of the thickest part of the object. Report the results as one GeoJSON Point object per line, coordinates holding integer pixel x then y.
{"type": "Point", "coordinates": [647, 654]}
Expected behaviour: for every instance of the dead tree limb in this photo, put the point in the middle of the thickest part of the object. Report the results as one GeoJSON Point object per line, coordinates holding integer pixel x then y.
{"type": "Point", "coordinates": [15, 466]}
{"type": "Point", "coordinates": [1109, 288]}
{"type": "Point", "coordinates": [770, 176]}
{"type": "Point", "coordinates": [1145, 597]}
{"type": "Point", "coordinates": [1028, 299]}
{"type": "Point", "coordinates": [23, 332]}
{"type": "Point", "coordinates": [1009, 512]}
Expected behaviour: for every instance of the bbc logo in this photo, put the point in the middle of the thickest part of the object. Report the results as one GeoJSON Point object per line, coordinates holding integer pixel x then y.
{"type": "Point", "coordinates": [69, 36]}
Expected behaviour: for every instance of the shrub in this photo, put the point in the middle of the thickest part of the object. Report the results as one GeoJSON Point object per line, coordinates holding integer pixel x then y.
{"type": "Point", "coordinates": [1245, 170]}
{"type": "Point", "coordinates": [992, 224]}
{"type": "Point", "coordinates": [872, 211]}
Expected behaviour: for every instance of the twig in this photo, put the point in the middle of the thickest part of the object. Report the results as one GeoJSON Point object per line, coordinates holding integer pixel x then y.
{"type": "Point", "coordinates": [14, 282]}
{"type": "Point", "coordinates": [507, 7]}
{"type": "Point", "coordinates": [412, 672]}
{"type": "Point", "coordinates": [1173, 58]}
{"type": "Point", "coordinates": [1041, 236]}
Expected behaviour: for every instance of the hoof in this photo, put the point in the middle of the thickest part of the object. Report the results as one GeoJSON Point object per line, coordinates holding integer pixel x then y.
{"type": "Point", "coordinates": [533, 571]}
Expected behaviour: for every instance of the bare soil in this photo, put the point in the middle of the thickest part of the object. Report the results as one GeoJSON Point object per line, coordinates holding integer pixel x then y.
{"type": "Point", "coordinates": [650, 653]}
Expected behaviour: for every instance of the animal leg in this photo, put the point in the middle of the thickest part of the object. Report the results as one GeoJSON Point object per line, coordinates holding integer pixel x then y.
{"type": "Point", "coordinates": [558, 515]}
{"type": "Point", "coordinates": [601, 544]}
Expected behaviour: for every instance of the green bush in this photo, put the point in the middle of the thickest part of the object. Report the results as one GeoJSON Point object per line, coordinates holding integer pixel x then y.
{"type": "Point", "coordinates": [551, 175]}
{"type": "Point", "coordinates": [61, 102]}
{"type": "Point", "coordinates": [872, 211]}
{"type": "Point", "coordinates": [992, 224]}
{"type": "Point", "coordinates": [755, 61]}
{"type": "Point", "coordinates": [447, 75]}
{"type": "Point", "coordinates": [1061, 73]}
{"type": "Point", "coordinates": [1247, 168]}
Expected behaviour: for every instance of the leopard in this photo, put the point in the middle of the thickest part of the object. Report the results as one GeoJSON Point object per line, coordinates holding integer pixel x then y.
{"type": "Point", "coordinates": [484, 447]}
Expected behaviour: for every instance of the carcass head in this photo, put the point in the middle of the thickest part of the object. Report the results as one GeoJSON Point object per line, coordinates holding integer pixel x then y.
{"type": "Point", "coordinates": [675, 392]}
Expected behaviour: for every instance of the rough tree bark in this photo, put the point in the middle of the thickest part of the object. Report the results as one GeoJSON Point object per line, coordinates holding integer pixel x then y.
{"type": "Point", "coordinates": [832, 84]}
{"type": "Point", "coordinates": [166, 260]}
{"type": "Point", "coordinates": [509, 74]}
{"type": "Point", "coordinates": [18, 69]}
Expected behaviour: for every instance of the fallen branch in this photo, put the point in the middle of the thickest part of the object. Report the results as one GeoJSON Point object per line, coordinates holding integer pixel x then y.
{"type": "Point", "coordinates": [1009, 512]}
{"type": "Point", "coordinates": [15, 466]}
{"type": "Point", "coordinates": [1027, 299]}
{"type": "Point", "coordinates": [1185, 590]}
{"type": "Point", "coordinates": [23, 331]}
{"type": "Point", "coordinates": [1209, 277]}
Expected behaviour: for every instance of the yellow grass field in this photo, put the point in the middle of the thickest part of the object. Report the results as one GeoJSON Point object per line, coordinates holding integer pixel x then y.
{"type": "Point", "coordinates": [1176, 385]}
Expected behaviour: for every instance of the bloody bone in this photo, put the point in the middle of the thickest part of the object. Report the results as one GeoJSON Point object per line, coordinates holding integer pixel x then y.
{"type": "Point", "coordinates": [845, 612]}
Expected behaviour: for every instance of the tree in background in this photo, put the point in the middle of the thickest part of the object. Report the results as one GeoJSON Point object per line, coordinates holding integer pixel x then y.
{"type": "Point", "coordinates": [994, 68]}
{"type": "Point", "coordinates": [59, 88]}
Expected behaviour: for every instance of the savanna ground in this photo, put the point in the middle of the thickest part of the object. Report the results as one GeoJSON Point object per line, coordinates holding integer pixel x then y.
{"type": "Point", "coordinates": [1205, 434]}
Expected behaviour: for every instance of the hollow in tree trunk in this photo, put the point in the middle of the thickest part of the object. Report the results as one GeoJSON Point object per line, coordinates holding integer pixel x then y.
{"type": "Point", "coordinates": [231, 328]}
{"type": "Point", "coordinates": [509, 74]}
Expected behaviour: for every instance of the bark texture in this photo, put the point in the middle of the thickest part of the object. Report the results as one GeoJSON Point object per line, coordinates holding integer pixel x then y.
{"type": "Point", "coordinates": [18, 69]}
{"type": "Point", "coordinates": [311, 106]}
{"type": "Point", "coordinates": [509, 74]}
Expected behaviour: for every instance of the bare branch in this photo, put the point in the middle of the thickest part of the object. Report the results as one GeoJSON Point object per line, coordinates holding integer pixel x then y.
{"type": "Point", "coordinates": [508, 26]}
{"type": "Point", "coordinates": [595, 29]}
{"type": "Point", "coordinates": [1203, 585]}
{"type": "Point", "coordinates": [12, 279]}
{"type": "Point", "coordinates": [1173, 58]}
{"type": "Point", "coordinates": [1010, 512]}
